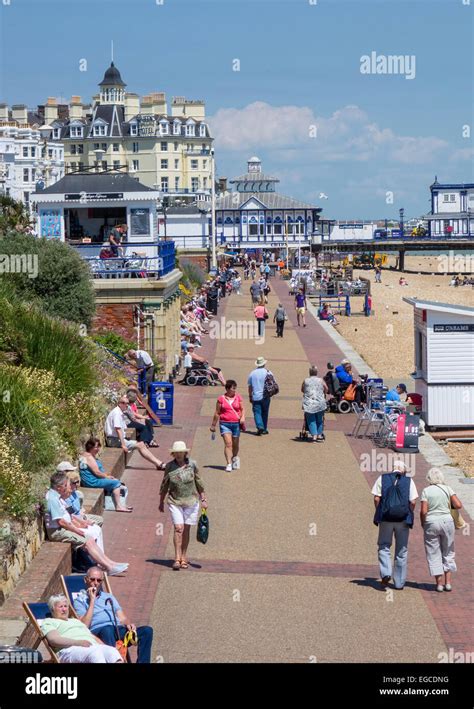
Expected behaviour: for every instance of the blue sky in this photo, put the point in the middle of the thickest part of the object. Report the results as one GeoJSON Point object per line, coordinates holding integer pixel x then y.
{"type": "Point", "coordinates": [299, 68]}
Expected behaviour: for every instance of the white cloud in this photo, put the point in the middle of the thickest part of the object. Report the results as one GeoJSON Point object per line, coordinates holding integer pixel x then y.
{"type": "Point", "coordinates": [346, 135]}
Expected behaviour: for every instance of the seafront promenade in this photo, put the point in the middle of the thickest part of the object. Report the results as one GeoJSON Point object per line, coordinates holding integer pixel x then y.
{"type": "Point", "coordinates": [290, 572]}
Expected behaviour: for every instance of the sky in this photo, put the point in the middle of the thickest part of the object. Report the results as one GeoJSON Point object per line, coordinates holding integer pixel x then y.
{"type": "Point", "coordinates": [282, 79]}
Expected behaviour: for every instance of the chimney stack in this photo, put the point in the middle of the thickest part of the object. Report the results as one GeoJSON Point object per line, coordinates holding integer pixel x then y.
{"type": "Point", "coordinates": [75, 108]}
{"type": "Point", "coordinates": [3, 112]}
{"type": "Point", "coordinates": [20, 113]}
{"type": "Point", "coordinates": [51, 111]}
{"type": "Point", "coordinates": [132, 106]}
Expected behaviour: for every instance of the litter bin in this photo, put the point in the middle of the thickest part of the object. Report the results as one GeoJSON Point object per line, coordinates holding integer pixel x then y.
{"type": "Point", "coordinates": [13, 654]}
{"type": "Point", "coordinates": [161, 401]}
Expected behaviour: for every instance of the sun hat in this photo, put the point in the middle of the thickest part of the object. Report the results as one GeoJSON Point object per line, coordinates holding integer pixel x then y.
{"type": "Point", "coordinates": [260, 362]}
{"type": "Point", "coordinates": [179, 447]}
{"type": "Point", "coordinates": [64, 466]}
{"type": "Point", "coordinates": [345, 361]}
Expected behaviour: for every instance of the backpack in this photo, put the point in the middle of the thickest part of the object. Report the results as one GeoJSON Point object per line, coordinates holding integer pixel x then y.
{"type": "Point", "coordinates": [395, 503]}
{"type": "Point", "coordinates": [270, 387]}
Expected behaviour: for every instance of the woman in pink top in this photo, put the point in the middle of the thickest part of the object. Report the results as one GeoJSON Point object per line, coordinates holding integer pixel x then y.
{"type": "Point", "coordinates": [261, 314]}
{"type": "Point", "coordinates": [231, 416]}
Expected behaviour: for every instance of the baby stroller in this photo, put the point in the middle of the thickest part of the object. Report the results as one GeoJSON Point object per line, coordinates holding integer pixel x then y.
{"type": "Point", "coordinates": [199, 375]}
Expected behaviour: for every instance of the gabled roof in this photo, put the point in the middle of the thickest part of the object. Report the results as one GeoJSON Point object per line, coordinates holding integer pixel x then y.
{"type": "Point", "coordinates": [96, 182]}
{"type": "Point", "coordinates": [271, 200]}
{"type": "Point", "coordinates": [441, 307]}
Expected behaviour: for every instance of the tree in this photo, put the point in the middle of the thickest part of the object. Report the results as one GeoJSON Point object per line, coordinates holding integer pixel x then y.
{"type": "Point", "coordinates": [13, 215]}
{"type": "Point", "coordinates": [48, 272]}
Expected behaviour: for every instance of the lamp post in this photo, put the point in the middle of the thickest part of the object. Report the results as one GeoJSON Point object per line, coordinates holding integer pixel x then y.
{"type": "Point", "coordinates": [402, 214]}
{"type": "Point", "coordinates": [213, 211]}
{"type": "Point", "coordinates": [45, 133]}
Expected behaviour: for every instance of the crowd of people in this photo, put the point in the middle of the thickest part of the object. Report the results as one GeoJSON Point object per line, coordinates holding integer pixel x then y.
{"type": "Point", "coordinates": [91, 637]}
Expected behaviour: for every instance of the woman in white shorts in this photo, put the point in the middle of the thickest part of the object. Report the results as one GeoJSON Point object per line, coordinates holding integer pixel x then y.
{"type": "Point", "coordinates": [184, 487]}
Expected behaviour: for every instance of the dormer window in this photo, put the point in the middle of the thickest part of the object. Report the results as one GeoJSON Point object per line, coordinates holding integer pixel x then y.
{"type": "Point", "coordinates": [56, 133]}
{"type": "Point", "coordinates": [133, 129]}
{"type": "Point", "coordinates": [100, 129]}
{"type": "Point", "coordinates": [164, 127]}
{"type": "Point", "coordinates": [177, 128]}
{"type": "Point", "coordinates": [76, 131]}
{"type": "Point", "coordinates": [202, 130]}
{"type": "Point", "coordinates": [190, 130]}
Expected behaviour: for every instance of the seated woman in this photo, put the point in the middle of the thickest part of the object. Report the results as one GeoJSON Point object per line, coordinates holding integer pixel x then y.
{"type": "Point", "coordinates": [72, 639]}
{"type": "Point", "coordinates": [75, 501]}
{"type": "Point", "coordinates": [93, 474]}
{"type": "Point", "coordinates": [142, 424]}
{"type": "Point", "coordinates": [327, 314]}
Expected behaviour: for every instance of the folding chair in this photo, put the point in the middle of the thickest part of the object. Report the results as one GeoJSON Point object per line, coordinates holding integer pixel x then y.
{"type": "Point", "coordinates": [73, 585]}
{"type": "Point", "coordinates": [37, 613]}
{"type": "Point", "coordinates": [361, 413]}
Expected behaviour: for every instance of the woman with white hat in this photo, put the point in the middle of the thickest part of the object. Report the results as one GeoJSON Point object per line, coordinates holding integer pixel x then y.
{"type": "Point", "coordinates": [185, 489]}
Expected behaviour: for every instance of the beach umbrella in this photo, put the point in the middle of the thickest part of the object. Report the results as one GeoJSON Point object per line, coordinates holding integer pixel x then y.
{"type": "Point", "coordinates": [348, 306]}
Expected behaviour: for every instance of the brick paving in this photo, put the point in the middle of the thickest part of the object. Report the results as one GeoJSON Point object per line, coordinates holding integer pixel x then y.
{"type": "Point", "coordinates": [137, 539]}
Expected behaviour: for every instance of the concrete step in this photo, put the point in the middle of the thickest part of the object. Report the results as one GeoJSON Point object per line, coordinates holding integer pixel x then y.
{"type": "Point", "coordinates": [40, 580]}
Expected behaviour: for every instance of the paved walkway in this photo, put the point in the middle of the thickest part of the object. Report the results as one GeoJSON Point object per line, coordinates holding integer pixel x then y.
{"type": "Point", "coordinates": [289, 573]}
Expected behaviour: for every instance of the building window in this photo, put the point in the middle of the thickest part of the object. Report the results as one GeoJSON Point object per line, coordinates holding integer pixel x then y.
{"type": "Point", "coordinates": [176, 147]}
{"type": "Point", "coordinates": [50, 153]}
{"type": "Point", "coordinates": [194, 164]}
{"type": "Point", "coordinates": [277, 228]}
{"type": "Point", "coordinates": [205, 183]}
{"type": "Point", "coordinates": [76, 132]}
{"type": "Point", "coordinates": [104, 147]}
{"type": "Point", "coordinates": [135, 148]}
{"type": "Point", "coordinates": [73, 149]}
{"type": "Point", "coordinates": [26, 198]}
{"type": "Point", "coordinates": [80, 166]}
{"type": "Point", "coordinates": [26, 175]}
{"type": "Point", "coordinates": [176, 164]}
{"type": "Point", "coordinates": [164, 164]}
{"type": "Point", "coordinates": [452, 197]}
{"type": "Point", "coordinates": [96, 146]}
{"type": "Point", "coordinates": [33, 154]}
{"type": "Point", "coordinates": [190, 130]}
{"type": "Point", "coordinates": [73, 165]}
{"type": "Point", "coordinates": [164, 184]}
{"type": "Point", "coordinates": [115, 147]}
{"type": "Point", "coordinates": [135, 165]}
{"type": "Point", "coordinates": [164, 128]}
{"type": "Point", "coordinates": [25, 152]}
{"type": "Point", "coordinates": [253, 229]}
{"type": "Point", "coordinates": [133, 129]}
{"type": "Point", "coordinates": [176, 183]}
{"type": "Point", "coordinates": [116, 164]}
{"type": "Point", "coordinates": [80, 149]}
{"type": "Point", "coordinates": [176, 128]}
{"type": "Point", "coordinates": [100, 130]}
{"type": "Point", "coordinates": [56, 133]}
{"type": "Point", "coordinates": [194, 184]}
{"type": "Point", "coordinates": [202, 130]}
{"type": "Point", "coordinates": [164, 146]}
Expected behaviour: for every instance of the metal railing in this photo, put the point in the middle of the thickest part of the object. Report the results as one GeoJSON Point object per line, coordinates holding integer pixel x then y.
{"type": "Point", "coordinates": [126, 267]}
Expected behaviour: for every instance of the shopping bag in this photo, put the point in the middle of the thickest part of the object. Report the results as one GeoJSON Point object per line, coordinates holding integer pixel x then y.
{"type": "Point", "coordinates": [203, 527]}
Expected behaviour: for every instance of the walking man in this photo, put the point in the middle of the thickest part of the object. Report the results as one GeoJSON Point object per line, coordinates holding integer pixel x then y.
{"type": "Point", "coordinates": [279, 319]}
{"type": "Point", "coordinates": [300, 306]}
{"type": "Point", "coordinates": [378, 274]}
{"type": "Point", "coordinates": [395, 497]}
{"type": "Point", "coordinates": [255, 293]}
{"type": "Point", "coordinates": [260, 403]}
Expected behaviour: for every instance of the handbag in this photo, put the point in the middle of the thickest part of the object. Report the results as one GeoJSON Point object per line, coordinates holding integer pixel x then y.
{"type": "Point", "coordinates": [203, 527]}
{"type": "Point", "coordinates": [265, 315]}
{"type": "Point", "coordinates": [270, 387]}
{"type": "Point", "coordinates": [130, 637]}
{"type": "Point", "coordinates": [349, 394]}
{"type": "Point", "coordinates": [242, 425]}
{"type": "Point", "coordinates": [459, 521]}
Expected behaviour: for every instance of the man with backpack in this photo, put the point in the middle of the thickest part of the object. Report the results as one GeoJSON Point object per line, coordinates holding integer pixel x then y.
{"type": "Point", "coordinates": [395, 497]}
{"type": "Point", "coordinates": [262, 386]}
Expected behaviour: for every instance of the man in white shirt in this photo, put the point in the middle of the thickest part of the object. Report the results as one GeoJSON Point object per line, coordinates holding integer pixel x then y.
{"type": "Point", "coordinates": [143, 363]}
{"type": "Point", "coordinates": [115, 425]}
{"type": "Point", "coordinates": [394, 518]}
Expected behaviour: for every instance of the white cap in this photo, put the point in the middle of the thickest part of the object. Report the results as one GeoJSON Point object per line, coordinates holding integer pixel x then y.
{"type": "Point", "coordinates": [64, 467]}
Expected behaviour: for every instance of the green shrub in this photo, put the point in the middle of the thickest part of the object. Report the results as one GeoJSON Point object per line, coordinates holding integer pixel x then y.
{"type": "Point", "coordinates": [62, 285]}
{"type": "Point", "coordinates": [115, 342]}
{"type": "Point", "coordinates": [193, 275]}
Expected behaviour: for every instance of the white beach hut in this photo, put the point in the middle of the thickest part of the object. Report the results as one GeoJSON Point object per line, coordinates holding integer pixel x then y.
{"type": "Point", "coordinates": [444, 361]}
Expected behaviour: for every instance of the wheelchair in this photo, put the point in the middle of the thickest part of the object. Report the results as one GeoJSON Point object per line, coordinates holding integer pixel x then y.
{"type": "Point", "coordinates": [199, 375]}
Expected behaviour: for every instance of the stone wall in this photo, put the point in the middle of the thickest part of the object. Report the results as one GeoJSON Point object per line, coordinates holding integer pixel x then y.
{"type": "Point", "coordinates": [28, 541]}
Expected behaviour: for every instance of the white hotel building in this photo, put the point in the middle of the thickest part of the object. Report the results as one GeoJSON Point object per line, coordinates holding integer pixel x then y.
{"type": "Point", "coordinates": [27, 161]}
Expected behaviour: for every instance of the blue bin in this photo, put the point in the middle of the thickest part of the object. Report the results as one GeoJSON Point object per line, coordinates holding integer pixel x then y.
{"type": "Point", "coordinates": [161, 401]}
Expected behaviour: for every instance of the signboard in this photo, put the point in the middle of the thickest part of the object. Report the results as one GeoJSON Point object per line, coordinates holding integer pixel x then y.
{"type": "Point", "coordinates": [350, 226]}
{"type": "Point", "coordinates": [453, 328]}
{"type": "Point", "coordinates": [408, 429]}
{"type": "Point", "coordinates": [50, 220]}
{"type": "Point", "coordinates": [89, 196]}
{"type": "Point", "coordinates": [140, 222]}
{"type": "Point", "coordinates": [147, 125]}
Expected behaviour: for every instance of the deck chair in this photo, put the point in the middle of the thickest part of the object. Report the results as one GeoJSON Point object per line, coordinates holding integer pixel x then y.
{"type": "Point", "coordinates": [72, 585]}
{"type": "Point", "coordinates": [37, 612]}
